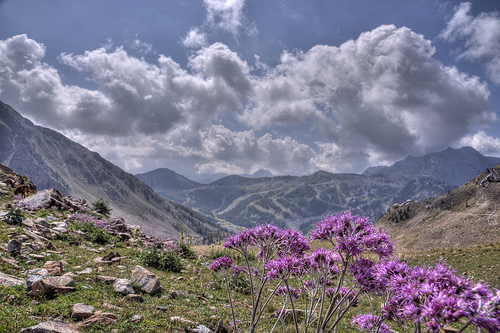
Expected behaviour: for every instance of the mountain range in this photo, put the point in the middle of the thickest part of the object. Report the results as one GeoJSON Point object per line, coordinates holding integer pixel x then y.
{"type": "Point", "coordinates": [53, 161]}
{"type": "Point", "coordinates": [298, 201]}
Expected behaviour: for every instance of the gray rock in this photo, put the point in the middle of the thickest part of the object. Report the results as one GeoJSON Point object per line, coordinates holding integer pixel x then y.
{"type": "Point", "coordinates": [60, 230]}
{"type": "Point", "coordinates": [14, 246]}
{"type": "Point", "coordinates": [135, 318]}
{"type": "Point", "coordinates": [145, 280]}
{"type": "Point", "coordinates": [10, 281]}
{"type": "Point", "coordinates": [106, 279]}
{"type": "Point", "coordinates": [134, 298]}
{"type": "Point", "coordinates": [100, 318]}
{"type": "Point", "coordinates": [59, 225]}
{"type": "Point", "coordinates": [43, 222]}
{"type": "Point", "coordinates": [54, 267]}
{"type": "Point", "coordinates": [85, 271]}
{"type": "Point", "coordinates": [82, 311]}
{"type": "Point", "coordinates": [176, 294]}
{"type": "Point", "coordinates": [123, 286]}
{"type": "Point", "coordinates": [202, 329]}
{"type": "Point", "coordinates": [51, 327]}
{"type": "Point", "coordinates": [35, 275]}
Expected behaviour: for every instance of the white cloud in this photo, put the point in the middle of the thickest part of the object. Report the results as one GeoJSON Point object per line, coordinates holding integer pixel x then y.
{"type": "Point", "coordinates": [142, 47]}
{"type": "Point", "coordinates": [481, 35]}
{"type": "Point", "coordinates": [225, 14]}
{"type": "Point", "coordinates": [370, 100]}
{"type": "Point", "coordinates": [482, 142]}
{"type": "Point", "coordinates": [195, 38]}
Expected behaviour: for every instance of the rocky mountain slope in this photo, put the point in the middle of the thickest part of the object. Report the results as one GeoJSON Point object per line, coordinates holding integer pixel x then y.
{"type": "Point", "coordinates": [468, 215]}
{"type": "Point", "coordinates": [299, 201]}
{"type": "Point", "coordinates": [53, 161]}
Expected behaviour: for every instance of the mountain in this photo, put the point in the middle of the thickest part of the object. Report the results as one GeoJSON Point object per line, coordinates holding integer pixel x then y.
{"type": "Point", "coordinates": [453, 166]}
{"type": "Point", "coordinates": [53, 161]}
{"type": "Point", "coordinates": [299, 201]}
{"type": "Point", "coordinates": [466, 216]}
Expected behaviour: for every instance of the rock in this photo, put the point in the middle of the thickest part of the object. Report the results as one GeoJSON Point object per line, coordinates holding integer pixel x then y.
{"type": "Point", "coordinates": [82, 311]}
{"type": "Point", "coordinates": [100, 318]}
{"type": "Point", "coordinates": [106, 279]}
{"type": "Point", "coordinates": [28, 223]}
{"type": "Point", "coordinates": [135, 318]}
{"type": "Point", "coordinates": [65, 280]}
{"type": "Point", "coordinates": [10, 281]}
{"type": "Point", "coordinates": [43, 222]}
{"type": "Point", "coordinates": [162, 308]}
{"type": "Point", "coordinates": [145, 280]}
{"type": "Point", "coordinates": [59, 225]}
{"type": "Point", "coordinates": [54, 267]}
{"type": "Point", "coordinates": [110, 256]}
{"type": "Point", "coordinates": [45, 199]}
{"type": "Point", "coordinates": [49, 288]}
{"type": "Point", "coordinates": [71, 275]}
{"type": "Point", "coordinates": [118, 224]}
{"type": "Point", "coordinates": [176, 294]}
{"type": "Point", "coordinates": [35, 275]}
{"type": "Point", "coordinates": [182, 320]}
{"type": "Point", "coordinates": [111, 306]}
{"type": "Point", "coordinates": [202, 329]}
{"type": "Point", "coordinates": [220, 328]}
{"type": "Point", "coordinates": [123, 286]}
{"type": "Point", "coordinates": [51, 327]}
{"type": "Point", "coordinates": [124, 236]}
{"type": "Point", "coordinates": [134, 298]}
{"type": "Point", "coordinates": [14, 246]}
{"type": "Point", "coordinates": [85, 271]}
{"type": "Point", "coordinates": [14, 263]}
{"type": "Point", "coordinates": [60, 230]}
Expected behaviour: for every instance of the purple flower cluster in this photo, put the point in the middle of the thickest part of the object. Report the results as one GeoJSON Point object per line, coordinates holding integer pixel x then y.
{"type": "Point", "coordinates": [222, 264]}
{"type": "Point", "coordinates": [282, 291]}
{"type": "Point", "coordinates": [370, 324]}
{"type": "Point", "coordinates": [284, 313]}
{"type": "Point", "coordinates": [352, 235]}
{"type": "Point", "coordinates": [97, 222]}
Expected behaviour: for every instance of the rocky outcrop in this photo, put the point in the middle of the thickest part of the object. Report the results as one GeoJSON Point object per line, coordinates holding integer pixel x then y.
{"type": "Point", "coordinates": [51, 327]}
{"type": "Point", "coordinates": [145, 280]}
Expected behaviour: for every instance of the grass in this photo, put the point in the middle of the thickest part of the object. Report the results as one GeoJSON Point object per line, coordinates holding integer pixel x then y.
{"type": "Point", "coordinates": [204, 299]}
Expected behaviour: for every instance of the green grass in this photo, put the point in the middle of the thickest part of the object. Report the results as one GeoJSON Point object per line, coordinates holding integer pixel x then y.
{"type": "Point", "coordinates": [202, 303]}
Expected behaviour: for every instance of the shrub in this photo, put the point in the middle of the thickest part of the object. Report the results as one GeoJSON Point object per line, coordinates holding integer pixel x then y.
{"type": "Point", "coordinates": [102, 207]}
{"type": "Point", "coordinates": [161, 259]}
{"type": "Point", "coordinates": [14, 216]}
{"type": "Point", "coordinates": [186, 252]}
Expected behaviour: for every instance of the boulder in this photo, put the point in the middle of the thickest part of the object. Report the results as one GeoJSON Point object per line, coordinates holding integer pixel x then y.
{"type": "Point", "coordinates": [51, 327]}
{"type": "Point", "coordinates": [59, 225]}
{"type": "Point", "coordinates": [106, 279]}
{"type": "Point", "coordinates": [82, 311]}
{"type": "Point", "coordinates": [45, 199]}
{"type": "Point", "coordinates": [202, 329]}
{"type": "Point", "coordinates": [14, 246]}
{"type": "Point", "coordinates": [35, 275]}
{"type": "Point", "coordinates": [145, 280]}
{"type": "Point", "coordinates": [49, 288]}
{"type": "Point", "coordinates": [54, 267]}
{"type": "Point", "coordinates": [43, 222]}
{"type": "Point", "coordinates": [118, 224]}
{"type": "Point", "coordinates": [123, 286]}
{"type": "Point", "coordinates": [110, 256]}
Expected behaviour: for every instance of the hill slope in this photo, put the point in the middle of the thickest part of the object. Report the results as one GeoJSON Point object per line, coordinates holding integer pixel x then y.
{"type": "Point", "coordinates": [466, 216]}
{"type": "Point", "coordinates": [53, 161]}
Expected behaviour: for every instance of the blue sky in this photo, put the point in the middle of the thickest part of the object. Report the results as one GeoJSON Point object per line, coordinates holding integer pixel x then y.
{"type": "Point", "coordinates": [215, 86]}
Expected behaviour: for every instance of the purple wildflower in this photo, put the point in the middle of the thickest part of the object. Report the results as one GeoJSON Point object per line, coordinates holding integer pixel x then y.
{"type": "Point", "coordinates": [370, 323]}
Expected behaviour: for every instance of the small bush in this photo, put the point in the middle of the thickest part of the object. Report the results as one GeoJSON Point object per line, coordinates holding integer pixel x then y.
{"type": "Point", "coordinates": [102, 207]}
{"type": "Point", "coordinates": [161, 259]}
{"type": "Point", "coordinates": [186, 252]}
{"type": "Point", "coordinates": [14, 216]}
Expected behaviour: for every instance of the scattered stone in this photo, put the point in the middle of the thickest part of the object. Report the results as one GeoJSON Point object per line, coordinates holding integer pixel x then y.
{"type": "Point", "coordinates": [145, 280]}
{"type": "Point", "coordinates": [60, 230]}
{"type": "Point", "coordinates": [82, 311]}
{"type": "Point", "coordinates": [135, 318]}
{"type": "Point", "coordinates": [54, 267]}
{"type": "Point", "coordinates": [449, 329]}
{"type": "Point", "coordinates": [182, 320]}
{"type": "Point", "coordinates": [59, 225]}
{"type": "Point", "coordinates": [162, 308]}
{"type": "Point", "coordinates": [14, 263]}
{"type": "Point", "coordinates": [111, 306]}
{"type": "Point", "coordinates": [71, 275]}
{"type": "Point", "coordinates": [65, 280]}
{"type": "Point", "coordinates": [110, 256]}
{"type": "Point", "coordinates": [134, 298]}
{"type": "Point", "coordinates": [100, 318]}
{"type": "Point", "coordinates": [176, 294]}
{"type": "Point", "coordinates": [11, 299]}
{"type": "Point", "coordinates": [118, 224]}
{"type": "Point", "coordinates": [106, 279]}
{"type": "Point", "coordinates": [202, 329]}
{"type": "Point", "coordinates": [85, 271]}
{"type": "Point", "coordinates": [49, 288]}
{"type": "Point", "coordinates": [116, 261]}
{"type": "Point", "coordinates": [123, 286]}
{"type": "Point", "coordinates": [51, 327]}
{"type": "Point", "coordinates": [43, 222]}
{"type": "Point", "coordinates": [10, 281]}
{"type": "Point", "coordinates": [38, 257]}
{"type": "Point", "coordinates": [14, 246]}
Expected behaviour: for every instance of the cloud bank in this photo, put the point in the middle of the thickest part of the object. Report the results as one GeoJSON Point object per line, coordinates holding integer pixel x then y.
{"type": "Point", "coordinates": [371, 100]}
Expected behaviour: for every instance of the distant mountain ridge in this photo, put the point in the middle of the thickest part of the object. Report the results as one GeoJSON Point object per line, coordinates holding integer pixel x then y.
{"type": "Point", "coordinates": [453, 166]}
{"type": "Point", "coordinates": [53, 161]}
{"type": "Point", "coordinates": [297, 201]}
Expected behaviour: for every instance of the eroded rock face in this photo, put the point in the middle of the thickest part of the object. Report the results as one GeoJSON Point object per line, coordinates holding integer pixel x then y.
{"type": "Point", "coordinates": [82, 311]}
{"type": "Point", "coordinates": [54, 267]}
{"type": "Point", "coordinates": [51, 327]}
{"type": "Point", "coordinates": [145, 280]}
{"type": "Point", "coordinates": [14, 246]}
{"type": "Point", "coordinates": [10, 281]}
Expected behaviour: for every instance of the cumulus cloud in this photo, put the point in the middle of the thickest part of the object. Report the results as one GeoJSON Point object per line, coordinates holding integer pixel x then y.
{"type": "Point", "coordinates": [482, 142]}
{"type": "Point", "coordinates": [481, 35]}
{"type": "Point", "coordinates": [370, 100]}
{"type": "Point", "coordinates": [225, 14]}
{"type": "Point", "coordinates": [195, 38]}
{"type": "Point", "coordinates": [142, 47]}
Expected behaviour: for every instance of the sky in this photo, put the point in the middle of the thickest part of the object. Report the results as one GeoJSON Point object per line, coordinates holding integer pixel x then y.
{"type": "Point", "coordinates": [206, 87]}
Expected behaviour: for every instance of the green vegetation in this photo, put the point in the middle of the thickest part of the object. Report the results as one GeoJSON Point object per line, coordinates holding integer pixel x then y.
{"type": "Point", "coordinates": [102, 207]}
